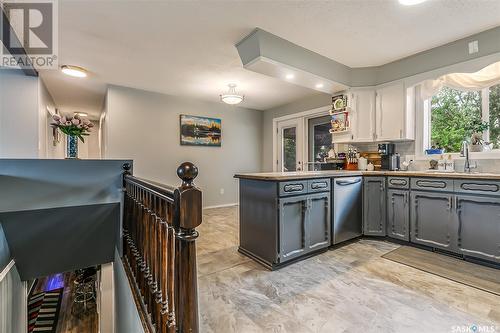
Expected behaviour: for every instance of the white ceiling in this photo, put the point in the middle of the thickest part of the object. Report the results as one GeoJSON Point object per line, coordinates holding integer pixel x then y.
{"type": "Point", "coordinates": [186, 48]}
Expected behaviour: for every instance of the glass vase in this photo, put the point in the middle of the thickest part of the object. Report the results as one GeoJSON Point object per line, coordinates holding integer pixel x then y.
{"type": "Point", "coordinates": [71, 146]}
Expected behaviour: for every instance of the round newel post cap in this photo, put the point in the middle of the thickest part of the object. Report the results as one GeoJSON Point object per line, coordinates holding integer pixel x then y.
{"type": "Point", "coordinates": [187, 171]}
{"type": "Point", "coordinates": [127, 167]}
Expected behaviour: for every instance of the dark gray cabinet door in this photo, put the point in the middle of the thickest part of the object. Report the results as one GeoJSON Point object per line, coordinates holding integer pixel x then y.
{"type": "Point", "coordinates": [398, 214]}
{"type": "Point", "coordinates": [433, 221]}
{"type": "Point", "coordinates": [479, 226]}
{"type": "Point", "coordinates": [318, 223]}
{"type": "Point", "coordinates": [374, 204]}
{"type": "Point", "coordinates": [292, 235]}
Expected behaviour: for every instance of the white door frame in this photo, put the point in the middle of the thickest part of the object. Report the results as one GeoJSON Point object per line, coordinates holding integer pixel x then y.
{"type": "Point", "coordinates": [302, 117]}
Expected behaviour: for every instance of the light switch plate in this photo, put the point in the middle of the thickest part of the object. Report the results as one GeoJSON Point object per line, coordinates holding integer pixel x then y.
{"type": "Point", "coordinates": [473, 47]}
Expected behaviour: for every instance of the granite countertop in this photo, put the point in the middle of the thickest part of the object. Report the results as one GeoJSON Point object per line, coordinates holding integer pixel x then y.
{"type": "Point", "coordinates": [346, 173]}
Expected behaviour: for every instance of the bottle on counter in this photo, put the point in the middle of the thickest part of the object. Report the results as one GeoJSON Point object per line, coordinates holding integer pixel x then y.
{"type": "Point", "coordinates": [450, 164]}
{"type": "Point", "coordinates": [442, 164]}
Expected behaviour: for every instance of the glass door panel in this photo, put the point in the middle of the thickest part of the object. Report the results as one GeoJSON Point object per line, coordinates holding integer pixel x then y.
{"type": "Point", "coordinates": [290, 145]}
{"type": "Point", "coordinates": [290, 149]}
{"type": "Point", "coordinates": [320, 141]}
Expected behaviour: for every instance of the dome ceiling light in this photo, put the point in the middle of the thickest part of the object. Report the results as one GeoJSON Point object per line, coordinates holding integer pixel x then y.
{"type": "Point", "coordinates": [231, 97]}
{"type": "Point", "coordinates": [411, 2]}
{"type": "Point", "coordinates": [74, 71]}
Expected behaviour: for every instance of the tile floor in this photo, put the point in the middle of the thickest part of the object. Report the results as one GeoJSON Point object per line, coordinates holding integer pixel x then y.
{"type": "Point", "coordinates": [349, 289]}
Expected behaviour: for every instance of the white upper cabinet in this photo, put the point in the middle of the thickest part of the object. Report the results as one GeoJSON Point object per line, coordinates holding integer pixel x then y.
{"type": "Point", "coordinates": [394, 113]}
{"type": "Point", "coordinates": [363, 119]}
{"type": "Point", "coordinates": [382, 113]}
{"type": "Point", "coordinates": [361, 103]}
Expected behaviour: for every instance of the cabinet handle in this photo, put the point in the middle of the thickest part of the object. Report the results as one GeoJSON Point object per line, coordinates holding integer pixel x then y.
{"type": "Point", "coordinates": [315, 186]}
{"type": "Point", "coordinates": [450, 203]}
{"type": "Point", "coordinates": [293, 188]}
{"type": "Point", "coordinates": [347, 182]}
{"type": "Point", "coordinates": [398, 182]}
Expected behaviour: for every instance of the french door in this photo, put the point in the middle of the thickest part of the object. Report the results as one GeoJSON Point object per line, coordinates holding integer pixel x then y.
{"type": "Point", "coordinates": [290, 145]}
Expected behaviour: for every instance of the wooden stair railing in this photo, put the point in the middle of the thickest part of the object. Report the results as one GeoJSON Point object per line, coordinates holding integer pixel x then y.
{"type": "Point", "coordinates": [159, 252]}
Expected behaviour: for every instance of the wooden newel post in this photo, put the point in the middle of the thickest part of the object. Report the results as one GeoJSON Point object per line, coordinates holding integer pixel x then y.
{"type": "Point", "coordinates": [187, 216]}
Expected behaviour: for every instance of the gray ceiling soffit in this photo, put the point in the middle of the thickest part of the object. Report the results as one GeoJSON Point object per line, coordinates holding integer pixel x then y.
{"type": "Point", "coordinates": [262, 44]}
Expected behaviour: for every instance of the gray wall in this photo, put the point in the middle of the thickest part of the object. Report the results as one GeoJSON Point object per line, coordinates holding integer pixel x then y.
{"type": "Point", "coordinates": [144, 126]}
{"type": "Point", "coordinates": [127, 318]}
{"type": "Point", "coordinates": [305, 104]}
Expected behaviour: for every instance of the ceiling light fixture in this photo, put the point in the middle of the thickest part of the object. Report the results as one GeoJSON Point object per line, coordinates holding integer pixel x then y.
{"type": "Point", "coordinates": [289, 76]}
{"type": "Point", "coordinates": [411, 2]}
{"type": "Point", "coordinates": [320, 85]}
{"type": "Point", "coordinates": [231, 97]}
{"type": "Point", "coordinates": [81, 114]}
{"type": "Point", "coordinates": [74, 71]}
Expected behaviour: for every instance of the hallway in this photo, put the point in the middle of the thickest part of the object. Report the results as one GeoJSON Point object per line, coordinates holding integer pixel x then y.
{"type": "Point", "coordinates": [351, 289]}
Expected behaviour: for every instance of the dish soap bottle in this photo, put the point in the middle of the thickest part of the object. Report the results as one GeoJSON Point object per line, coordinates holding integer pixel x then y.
{"type": "Point", "coordinates": [450, 164]}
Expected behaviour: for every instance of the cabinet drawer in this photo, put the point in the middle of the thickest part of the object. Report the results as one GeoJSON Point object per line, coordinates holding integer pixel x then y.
{"type": "Point", "coordinates": [398, 182]}
{"type": "Point", "coordinates": [432, 184]}
{"type": "Point", "coordinates": [319, 185]}
{"type": "Point", "coordinates": [473, 186]}
{"type": "Point", "coordinates": [293, 187]}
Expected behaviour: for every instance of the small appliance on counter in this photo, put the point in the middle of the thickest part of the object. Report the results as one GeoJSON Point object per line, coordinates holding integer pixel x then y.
{"type": "Point", "coordinates": [390, 160]}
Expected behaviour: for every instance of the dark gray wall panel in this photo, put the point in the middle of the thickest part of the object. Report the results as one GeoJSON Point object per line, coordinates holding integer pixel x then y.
{"type": "Point", "coordinates": [48, 241]}
{"type": "Point", "coordinates": [40, 184]}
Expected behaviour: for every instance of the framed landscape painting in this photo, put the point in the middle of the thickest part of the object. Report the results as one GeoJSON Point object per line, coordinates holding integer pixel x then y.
{"type": "Point", "coordinates": [200, 131]}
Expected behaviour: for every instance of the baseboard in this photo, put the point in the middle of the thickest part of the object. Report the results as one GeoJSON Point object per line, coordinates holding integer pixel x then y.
{"type": "Point", "coordinates": [220, 206]}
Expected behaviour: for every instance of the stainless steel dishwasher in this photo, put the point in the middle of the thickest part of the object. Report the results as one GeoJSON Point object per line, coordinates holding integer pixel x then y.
{"type": "Point", "coordinates": [347, 209]}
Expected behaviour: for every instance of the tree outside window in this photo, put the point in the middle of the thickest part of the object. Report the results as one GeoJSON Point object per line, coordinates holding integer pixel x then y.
{"type": "Point", "coordinates": [494, 104]}
{"type": "Point", "coordinates": [456, 115]}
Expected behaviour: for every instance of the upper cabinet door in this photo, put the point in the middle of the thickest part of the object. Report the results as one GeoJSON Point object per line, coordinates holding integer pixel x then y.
{"type": "Point", "coordinates": [390, 112]}
{"type": "Point", "coordinates": [363, 107]}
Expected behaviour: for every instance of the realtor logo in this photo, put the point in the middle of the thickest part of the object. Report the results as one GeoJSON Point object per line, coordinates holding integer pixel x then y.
{"type": "Point", "coordinates": [29, 34]}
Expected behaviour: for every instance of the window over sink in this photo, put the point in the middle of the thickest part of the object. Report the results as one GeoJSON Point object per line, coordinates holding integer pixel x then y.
{"type": "Point", "coordinates": [462, 106]}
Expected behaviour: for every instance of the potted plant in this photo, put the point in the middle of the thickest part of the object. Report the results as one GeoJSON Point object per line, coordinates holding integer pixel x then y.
{"type": "Point", "coordinates": [75, 128]}
{"type": "Point", "coordinates": [476, 130]}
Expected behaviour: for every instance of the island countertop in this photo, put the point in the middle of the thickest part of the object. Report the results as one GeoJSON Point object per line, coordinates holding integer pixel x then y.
{"type": "Point", "coordinates": [282, 176]}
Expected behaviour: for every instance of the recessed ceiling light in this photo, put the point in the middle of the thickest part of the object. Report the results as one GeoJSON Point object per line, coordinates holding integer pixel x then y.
{"type": "Point", "coordinates": [231, 97]}
{"type": "Point", "coordinates": [289, 76]}
{"type": "Point", "coordinates": [411, 2]}
{"type": "Point", "coordinates": [74, 71]}
{"type": "Point", "coordinates": [320, 85]}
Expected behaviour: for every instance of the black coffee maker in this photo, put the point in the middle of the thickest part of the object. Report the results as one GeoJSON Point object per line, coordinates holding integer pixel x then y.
{"type": "Point", "coordinates": [389, 158]}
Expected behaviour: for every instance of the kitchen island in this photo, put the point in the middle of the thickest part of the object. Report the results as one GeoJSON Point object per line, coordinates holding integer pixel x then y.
{"type": "Point", "coordinates": [285, 217]}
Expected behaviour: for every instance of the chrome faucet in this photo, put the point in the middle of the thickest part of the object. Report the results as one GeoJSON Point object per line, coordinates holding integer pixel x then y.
{"type": "Point", "coordinates": [465, 153]}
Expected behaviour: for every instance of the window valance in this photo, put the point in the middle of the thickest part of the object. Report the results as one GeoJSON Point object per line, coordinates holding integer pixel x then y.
{"type": "Point", "coordinates": [484, 78]}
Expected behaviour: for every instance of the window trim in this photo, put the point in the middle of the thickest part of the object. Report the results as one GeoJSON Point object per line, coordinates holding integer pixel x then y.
{"type": "Point", "coordinates": [423, 129]}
